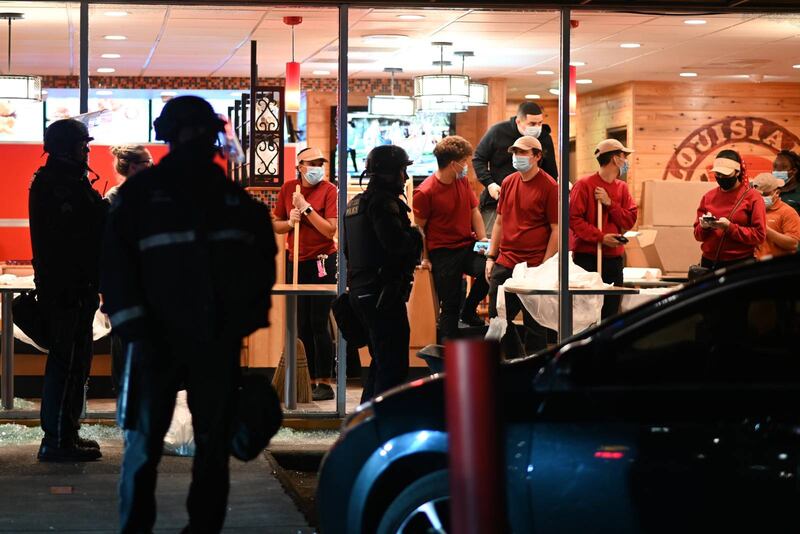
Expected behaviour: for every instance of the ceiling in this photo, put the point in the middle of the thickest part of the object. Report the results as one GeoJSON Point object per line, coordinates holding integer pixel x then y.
{"type": "Point", "coordinates": [214, 41]}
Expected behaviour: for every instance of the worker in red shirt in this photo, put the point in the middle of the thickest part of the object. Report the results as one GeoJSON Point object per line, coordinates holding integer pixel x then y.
{"type": "Point", "coordinates": [619, 213]}
{"type": "Point", "coordinates": [446, 209]}
{"type": "Point", "coordinates": [314, 210]}
{"type": "Point", "coordinates": [731, 219]}
{"type": "Point", "coordinates": [525, 231]}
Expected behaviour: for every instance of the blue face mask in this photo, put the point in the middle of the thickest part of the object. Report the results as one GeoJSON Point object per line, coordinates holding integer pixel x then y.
{"type": "Point", "coordinates": [781, 175]}
{"type": "Point", "coordinates": [768, 202]}
{"type": "Point", "coordinates": [626, 165]}
{"type": "Point", "coordinates": [314, 175]}
{"type": "Point", "coordinates": [463, 172]}
{"type": "Point", "coordinates": [521, 163]}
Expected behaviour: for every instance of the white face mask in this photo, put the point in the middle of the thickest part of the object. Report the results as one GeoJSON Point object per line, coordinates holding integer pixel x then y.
{"type": "Point", "coordinates": [533, 131]}
{"type": "Point", "coordinates": [314, 175]}
{"type": "Point", "coordinates": [463, 172]}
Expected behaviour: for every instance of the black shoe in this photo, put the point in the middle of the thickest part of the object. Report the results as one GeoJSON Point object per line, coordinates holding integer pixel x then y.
{"type": "Point", "coordinates": [67, 454]}
{"type": "Point", "coordinates": [86, 443]}
{"type": "Point", "coordinates": [322, 392]}
{"type": "Point", "coordinates": [473, 319]}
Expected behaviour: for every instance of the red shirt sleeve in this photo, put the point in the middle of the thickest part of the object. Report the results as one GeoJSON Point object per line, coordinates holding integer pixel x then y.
{"type": "Point", "coordinates": [280, 205]}
{"type": "Point", "coordinates": [756, 233]}
{"type": "Point", "coordinates": [624, 212]}
{"type": "Point", "coordinates": [422, 204]}
{"type": "Point", "coordinates": [501, 200]}
{"type": "Point", "coordinates": [473, 200]}
{"type": "Point", "coordinates": [578, 214]}
{"type": "Point", "coordinates": [331, 207]}
{"type": "Point", "coordinates": [551, 208]}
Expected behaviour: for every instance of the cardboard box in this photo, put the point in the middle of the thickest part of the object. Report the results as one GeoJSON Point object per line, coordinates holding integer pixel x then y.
{"type": "Point", "coordinates": [671, 202]}
{"type": "Point", "coordinates": [640, 250]}
{"type": "Point", "coordinates": [669, 248]}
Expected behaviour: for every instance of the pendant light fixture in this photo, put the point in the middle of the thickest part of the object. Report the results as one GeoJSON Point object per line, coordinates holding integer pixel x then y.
{"type": "Point", "coordinates": [18, 86]}
{"type": "Point", "coordinates": [391, 105]}
{"type": "Point", "coordinates": [573, 90]}
{"type": "Point", "coordinates": [478, 92]}
{"type": "Point", "coordinates": [441, 92]}
{"type": "Point", "coordinates": [292, 86]}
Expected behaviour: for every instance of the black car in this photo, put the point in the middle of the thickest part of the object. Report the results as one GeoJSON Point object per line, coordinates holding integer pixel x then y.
{"type": "Point", "coordinates": [681, 415]}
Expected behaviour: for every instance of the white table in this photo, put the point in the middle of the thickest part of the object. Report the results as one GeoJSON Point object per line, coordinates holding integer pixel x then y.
{"type": "Point", "coordinates": [7, 384]}
{"type": "Point", "coordinates": [292, 291]}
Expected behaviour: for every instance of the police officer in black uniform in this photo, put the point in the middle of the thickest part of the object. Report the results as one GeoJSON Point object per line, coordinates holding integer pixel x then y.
{"type": "Point", "coordinates": [188, 264]}
{"type": "Point", "coordinates": [66, 223]}
{"type": "Point", "coordinates": [382, 250]}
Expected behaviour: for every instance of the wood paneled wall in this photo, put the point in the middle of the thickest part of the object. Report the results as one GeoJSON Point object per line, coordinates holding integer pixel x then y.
{"type": "Point", "coordinates": [667, 114]}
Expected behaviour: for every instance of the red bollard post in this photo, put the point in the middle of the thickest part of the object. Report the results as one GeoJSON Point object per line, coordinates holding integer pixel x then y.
{"type": "Point", "coordinates": [477, 481]}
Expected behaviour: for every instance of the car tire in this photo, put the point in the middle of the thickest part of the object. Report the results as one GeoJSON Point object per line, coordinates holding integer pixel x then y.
{"type": "Point", "coordinates": [422, 508]}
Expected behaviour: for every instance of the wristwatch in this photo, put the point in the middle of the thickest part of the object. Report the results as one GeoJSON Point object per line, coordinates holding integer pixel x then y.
{"type": "Point", "coordinates": [308, 210]}
{"type": "Point", "coordinates": [491, 257]}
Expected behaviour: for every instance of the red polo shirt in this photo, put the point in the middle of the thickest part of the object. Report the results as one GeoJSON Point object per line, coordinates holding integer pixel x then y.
{"type": "Point", "coordinates": [322, 198]}
{"type": "Point", "coordinates": [448, 210]}
{"type": "Point", "coordinates": [527, 209]}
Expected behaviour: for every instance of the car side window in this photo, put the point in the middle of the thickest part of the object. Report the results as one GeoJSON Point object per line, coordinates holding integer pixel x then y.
{"type": "Point", "coordinates": [739, 335]}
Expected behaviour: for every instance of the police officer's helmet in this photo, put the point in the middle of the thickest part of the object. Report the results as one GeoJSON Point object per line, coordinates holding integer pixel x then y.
{"type": "Point", "coordinates": [186, 111]}
{"type": "Point", "coordinates": [62, 136]}
{"type": "Point", "coordinates": [387, 160]}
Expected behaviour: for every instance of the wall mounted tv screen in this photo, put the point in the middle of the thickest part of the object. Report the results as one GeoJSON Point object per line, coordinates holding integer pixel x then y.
{"type": "Point", "coordinates": [418, 135]}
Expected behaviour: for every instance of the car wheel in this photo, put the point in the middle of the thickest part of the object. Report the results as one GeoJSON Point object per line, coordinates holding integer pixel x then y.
{"type": "Point", "coordinates": [421, 508]}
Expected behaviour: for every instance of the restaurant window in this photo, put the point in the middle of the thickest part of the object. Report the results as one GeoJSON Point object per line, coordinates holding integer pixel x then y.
{"type": "Point", "coordinates": [737, 336]}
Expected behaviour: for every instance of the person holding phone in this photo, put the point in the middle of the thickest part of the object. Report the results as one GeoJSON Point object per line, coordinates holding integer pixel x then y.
{"type": "Point", "coordinates": [731, 218]}
{"type": "Point", "coordinates": [446, 209]}
{"type": "Point", "coordinates": [619, 212]}
{"type": "Point", "coordinates": [525, 231]}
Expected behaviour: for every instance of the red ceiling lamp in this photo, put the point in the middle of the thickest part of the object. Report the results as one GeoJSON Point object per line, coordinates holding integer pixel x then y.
{"type": "Point", "coordinates": [573, 78]}
{"type": "Point", "coordinates": [292, 86]}
{"type": "Point", "coordinates": [573, 90]}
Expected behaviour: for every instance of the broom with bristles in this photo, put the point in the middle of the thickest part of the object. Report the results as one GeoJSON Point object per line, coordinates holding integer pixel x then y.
{"type": "Point", "coordinates": [302, 374]}
{"type": "Point", "coordinates": [303, 377]}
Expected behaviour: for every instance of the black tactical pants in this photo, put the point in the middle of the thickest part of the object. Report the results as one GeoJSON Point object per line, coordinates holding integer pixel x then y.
{"type": "Point", "coordinates": [69, 321]}
{"type": "Point", "coordinates": [388, 332]}
{"type": "Point", "coordinates": [153, 376]}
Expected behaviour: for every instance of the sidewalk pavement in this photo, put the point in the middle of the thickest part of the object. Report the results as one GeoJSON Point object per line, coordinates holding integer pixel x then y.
{"type": "Point", "coordinates": [82, 497]}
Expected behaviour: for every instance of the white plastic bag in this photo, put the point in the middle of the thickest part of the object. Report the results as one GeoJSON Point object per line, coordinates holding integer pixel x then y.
{"type": "Point", "coordinates": [179, 440]}
{"type": "Point", "coordinates": [544, 308]}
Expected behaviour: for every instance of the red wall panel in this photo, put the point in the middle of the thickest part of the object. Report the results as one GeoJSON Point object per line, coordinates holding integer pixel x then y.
{"type": "Point", "coordinates": [18, 162]}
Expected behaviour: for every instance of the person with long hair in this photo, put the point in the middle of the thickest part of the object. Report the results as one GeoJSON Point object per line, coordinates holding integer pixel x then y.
{"type": "Point", "coordinates": [731, 218]}
{"type": "Point", "coordinates": [128, 160]}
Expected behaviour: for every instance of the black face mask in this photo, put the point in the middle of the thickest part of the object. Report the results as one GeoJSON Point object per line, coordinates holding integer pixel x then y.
{"type": "Point", "coordinates": [727, 183]}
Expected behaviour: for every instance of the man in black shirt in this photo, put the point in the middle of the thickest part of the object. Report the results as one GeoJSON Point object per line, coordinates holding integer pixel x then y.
{"type": "Point", "coordinates": [66, 221]}
{"type": "Point", "coordinates": [492, 161]}
{"type": "Point", "coordinates": [382, 250]}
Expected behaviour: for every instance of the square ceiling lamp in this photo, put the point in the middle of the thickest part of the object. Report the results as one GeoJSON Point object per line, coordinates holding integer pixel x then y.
{"type": "Point", "coordinates": [18, 86]}
{"type": "Point", "coordinates": [292, 83]}
{"type": "Point", "coordinates": [391, 105]}
{"type": "Point", "coordinates": [441, 92]}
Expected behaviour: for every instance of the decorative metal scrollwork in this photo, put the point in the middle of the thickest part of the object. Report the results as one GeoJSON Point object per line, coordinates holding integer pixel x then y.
{"type": "Point", "coordinates": [266, 146]}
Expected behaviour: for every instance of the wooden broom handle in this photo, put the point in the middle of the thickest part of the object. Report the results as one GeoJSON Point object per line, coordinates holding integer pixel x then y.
{"type": "Point", "coordinates": [600, 244]}
{"type": "Point", "coordinates": [296, 250]}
